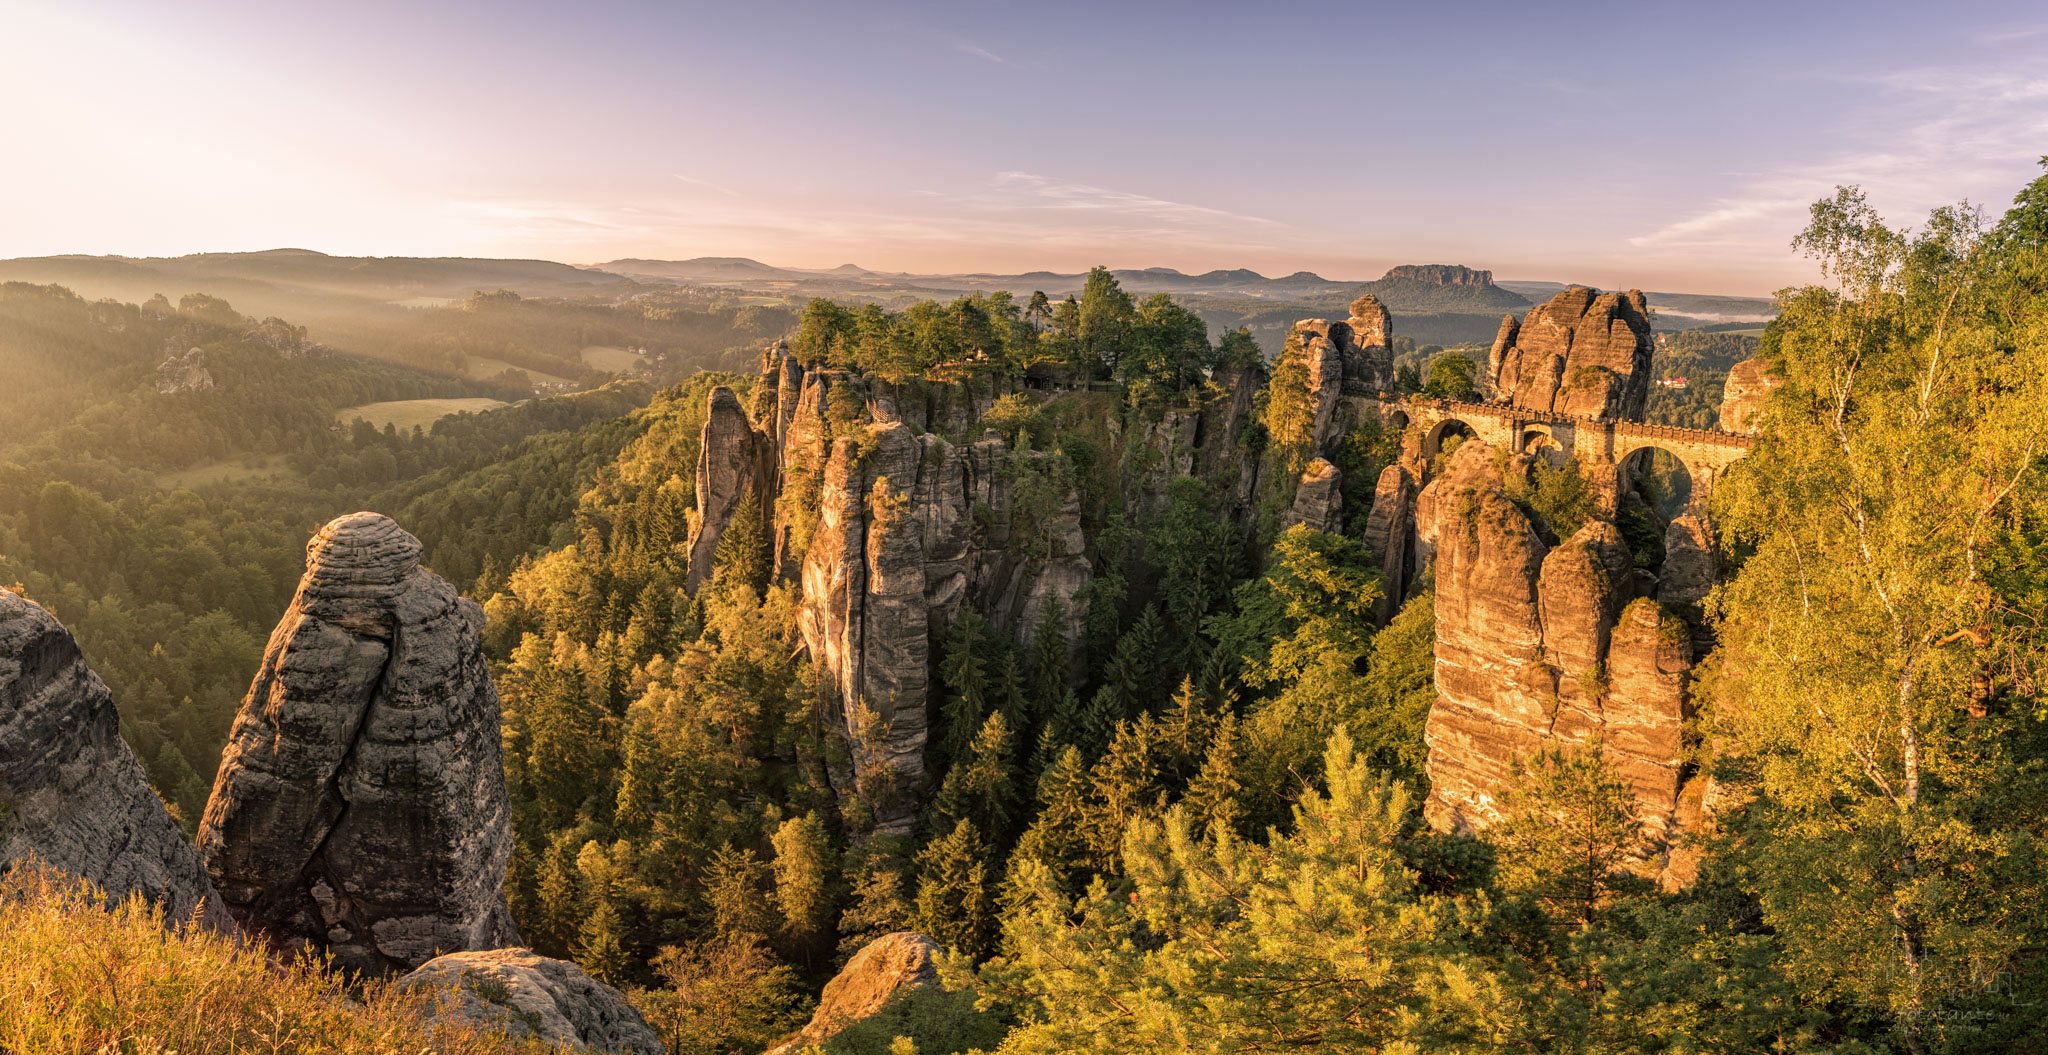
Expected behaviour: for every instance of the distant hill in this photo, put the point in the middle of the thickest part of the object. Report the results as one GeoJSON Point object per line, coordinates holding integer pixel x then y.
{"type": "Point", "coordinates": [743, 272]}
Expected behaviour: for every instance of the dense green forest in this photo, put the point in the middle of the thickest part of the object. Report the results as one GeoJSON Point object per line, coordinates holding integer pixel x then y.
{"type": "Point", "coordinates": [132, 514]}
{"type": "Point", "coordinates": [1205, 834]}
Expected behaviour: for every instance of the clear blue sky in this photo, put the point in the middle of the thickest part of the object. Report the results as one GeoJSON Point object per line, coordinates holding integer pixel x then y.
{"type": "Point", "coordinates": [1660, 145]}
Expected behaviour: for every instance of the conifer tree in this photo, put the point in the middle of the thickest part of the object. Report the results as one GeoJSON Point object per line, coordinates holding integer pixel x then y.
{"type": "Point", "coordinates": [1568, 832]}
{"type": "Point", "coordinates": [803, 866]}
{"type": "Point", "coordinates": [955, 896]}
{"type": "Point", "coordinates": [1212, 796]}
{"type": "Point", "coordinates": [981, 786]}
{"type": "Point", "coordinates": [963, 670]}
{"type": "Point", "coordinates": [743, 555]}
{"type": "Point", "coordinates": [733, 895]}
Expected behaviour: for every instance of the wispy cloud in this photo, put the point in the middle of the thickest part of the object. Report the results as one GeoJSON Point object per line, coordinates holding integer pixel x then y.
{"type": "Point", "coordinates": [979, 52]}
{"type": "Point", "coordinates": [1047, 192]}
{"type": "Point", "coordinates": [708, 185]}
{"type": "Point", "coordinates": [1927, 137]}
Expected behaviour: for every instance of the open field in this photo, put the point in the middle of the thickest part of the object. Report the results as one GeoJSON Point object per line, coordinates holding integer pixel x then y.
{"type": "Point", "coordinates": [616, 360]}
{"type": "Point", "coordinates": [405, 413]}
{"type": "Point", "coordinates": [483, 369]}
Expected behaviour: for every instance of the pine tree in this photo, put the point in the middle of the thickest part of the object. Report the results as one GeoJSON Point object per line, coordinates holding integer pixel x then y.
{"type": "Point", "coordinates": [743, 554]}
{"type": "Point", "coordinates": [1568, 832]}
{"type": "Point", "coordinates": [955, 899]}
{"type": "Point", "coordinates": [733, 895]}
{"type": "Point", "coordinates": [803, 865]}
{"type": "Point", "coordinates": [1212, 797]}
{"type": "Point", "coordinates": [560, 895]}
{"type": "Point", "coordinates": [1057, 838]}
{"type": "Point", "coordinates": [963, 671]}
{"type": "Point", "coordinates": [981, 786]}
{"type": "Point", "coordinates": [1125, 785]}
{"type": "Point", "coordinates": [1046, 679]}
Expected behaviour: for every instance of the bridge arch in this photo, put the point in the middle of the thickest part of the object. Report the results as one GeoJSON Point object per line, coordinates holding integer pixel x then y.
{"type": "Point", "coordinates": [1662, 477]}
{"type": "Point", "coordinates": [1433, 440]}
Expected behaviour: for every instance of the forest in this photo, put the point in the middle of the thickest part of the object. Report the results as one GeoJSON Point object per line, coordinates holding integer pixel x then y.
{"type": "Point", "coordinates": [1195, 824]}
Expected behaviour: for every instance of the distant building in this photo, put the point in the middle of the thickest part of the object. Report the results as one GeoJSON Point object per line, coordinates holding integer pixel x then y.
{"type": "Point", "coordinates": [1671, 382]}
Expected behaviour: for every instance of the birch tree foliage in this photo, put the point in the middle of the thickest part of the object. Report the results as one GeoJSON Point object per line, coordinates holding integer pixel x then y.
{"type": "Point", "coordinates": [1882, 636]}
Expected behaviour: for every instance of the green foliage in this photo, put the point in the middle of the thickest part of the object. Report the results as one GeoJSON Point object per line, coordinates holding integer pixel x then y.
{"type": "Point", "coordinates": [1560, 494]}
{"type": "Point", "coordinates": [1452, 377]}
{"type": "Point", "coordinates": [1871, 642]}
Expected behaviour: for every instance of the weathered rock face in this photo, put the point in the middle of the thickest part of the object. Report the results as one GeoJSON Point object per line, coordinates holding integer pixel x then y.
{"type": "Point", "coordinates": [882, 969]}
{"type": "Point", "coordinates": [183, 373]}
{"type": "Point", "coordinates": [1749, 383]}
{"type": "Point", "coordinates": [1538, 645]}
{"type": "Point", "coordinates": [75, 796]}
{"type": "Point", "coordinates": [1318, 501]}
{"type": "Point", "coordinates": [910, 529]}
{"type": "Point", "coordinates": [1387, 533]}
{"type": "Point", "coordinates": [360, 805]}
{"type": "Point", "coordinates": [528, 995]}
{"type": "Point", "coordinates": [1582, 353]}
{"type": "Point", "coordinates": [733, 466]}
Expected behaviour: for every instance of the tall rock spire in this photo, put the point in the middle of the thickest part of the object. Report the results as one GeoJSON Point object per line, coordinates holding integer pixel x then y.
{"type": "Point", "coordinates": [360, 805]}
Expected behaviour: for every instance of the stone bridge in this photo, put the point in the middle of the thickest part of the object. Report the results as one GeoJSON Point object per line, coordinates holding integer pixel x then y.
{"type": "Point", "coordinates": [1706, 454]}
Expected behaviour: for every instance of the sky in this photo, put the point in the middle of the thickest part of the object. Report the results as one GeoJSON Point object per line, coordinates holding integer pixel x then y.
{"type": "Point", "coordinates": [1657, 145]}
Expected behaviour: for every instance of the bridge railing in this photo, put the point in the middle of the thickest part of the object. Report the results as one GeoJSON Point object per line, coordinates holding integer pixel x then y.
{"type": "Point", "coordinates": [1454, 408]}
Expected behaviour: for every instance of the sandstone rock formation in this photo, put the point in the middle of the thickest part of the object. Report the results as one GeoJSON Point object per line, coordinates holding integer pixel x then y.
{"type": "Point", "coordinates": [882, 969]}
{"type": "Point", "coordinates": [1440, 274]}
{"type": "Point", "coordinates": [71, 792]}
{"type": "Point", "coordinates": [529, 995]}
{"type": "Point", "coordinates": [1318, 501]}
{"type": "Point", "coordinates": [360, 805]}
{"type": "Point", "coordinates": [1582, 353]}
{"type": "Point", "coordinates": [1388, 530]}
{"type": "Point", "coordinates": [183, 373]}
{"type": "Point", "coordinates": [1743, 396]}
{"type": "Point", "coordinates": [910, 529]}
{"type": "Point", "coordinates": [1539, 645]}
{"type": "Point", "coordinates": [734, 465]}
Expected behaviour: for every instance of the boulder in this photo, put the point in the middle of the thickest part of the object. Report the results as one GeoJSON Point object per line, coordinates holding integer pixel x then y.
{"type": "Point", "coordinates": [1582, 354]}
{"type": "Point", "coordinates": [884, 968]}
{"type": "Point", "coordinates": [360, 805]}
{"type": "Point", "coordinates": [532, 996]}
{"type": "Point", "coordinates": [72, 794]}
{"type": "Point", "coordinates": [1742, 398]}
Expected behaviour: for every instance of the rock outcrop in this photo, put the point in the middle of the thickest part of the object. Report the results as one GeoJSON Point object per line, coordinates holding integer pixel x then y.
{"type": "Point", "coordinates": [183, 373]}
{"type": "Point", "coordinates": [527, 995]}
{"type": "Point", "coordinates": [1318, 500]}
{"type": "Point", "coordinates": [1388, 530]}
{"type": "Point", "coordinates": [1742, 398]}
{"type": "Point", "coordinates": [1539, 644]}
{"type": "Point", "coordinates": [1582, 353]}
{"type": "Point", "coordinates": [72, 794]}
{"type": "Point", "coordinates": [734, 465]}
{"type": "Point", "coordinates": [884, 968]}
{"type": "Point", "coordinates": [1440, 274]}
{"type": "Point", "coordinates": [360, 805]}
{"type": "Point", "coordinates": [909, 530]}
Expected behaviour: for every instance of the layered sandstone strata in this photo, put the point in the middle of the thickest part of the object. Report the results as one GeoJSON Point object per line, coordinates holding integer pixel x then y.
{"type": "Point", "coordinates": [360, 805]}
{"type": "Point", "coordinates": [72, 795]}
